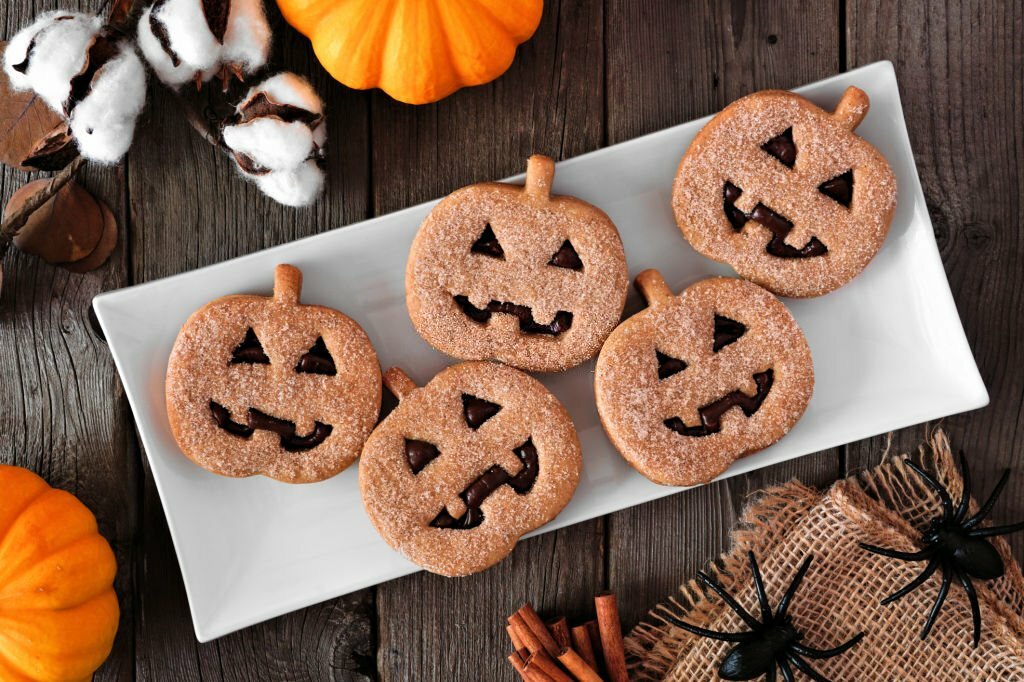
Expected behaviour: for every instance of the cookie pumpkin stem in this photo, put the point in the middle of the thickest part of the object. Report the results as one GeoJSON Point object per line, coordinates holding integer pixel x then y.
{"type": "Point", "coordinates": [653, 288]}
{"type": "Point", "coordinates": [287, 284]}
{"type": "Point", "coordinates": [540, 171]}
{"type": "Point", "coordinates": [852, 108]}
{"type": "Point", "coordinates": [399, 383]}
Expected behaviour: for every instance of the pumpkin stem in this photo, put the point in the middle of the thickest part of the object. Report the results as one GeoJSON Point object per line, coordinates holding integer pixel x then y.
{"type": "Point", "coordinates": [540, 171]}
{"type": "Point", "coordinates": [852, 108]}
{"type": "Point", "coordinates": [653, 288]}
{"type": "Point", "coordinates": [287, 284]}
{"type": "Point", "coordinates": [399, 383]}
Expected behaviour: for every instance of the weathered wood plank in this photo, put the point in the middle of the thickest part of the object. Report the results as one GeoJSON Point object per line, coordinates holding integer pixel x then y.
{"type": "Point", "coordinates": [189, 208]}
{"type": "Point", "coordinates": [62, 413]}
{"type": "Point", "coordinates": [667, 65]}
{"type": "Point", "coordinates": [959, 67]}
{"type": "Point", "coordinates": [549, 102]}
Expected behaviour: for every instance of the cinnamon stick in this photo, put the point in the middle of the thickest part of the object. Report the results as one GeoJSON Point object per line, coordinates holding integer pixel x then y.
{"type": "Point", "coordinates": [513, 634]}
{"type": "Point", "coordinates": [539, 630]}
{"type": "Point", "coordinates": [526, 636]}
{"type": "Point", "coordinates": [611, 637]}
{"type": "Point", "coordinates": [544, 663]}
{"type": "Point", "coordinates": [575, 664]}
{"type": "Point", "coordinates": [559, 629]}
{"type": "Point", "coordinates": [594, 634]}
{"type": "Point", "coordinates": [517, 662]}
{"type": "Point", "coordinates": [581, 643]}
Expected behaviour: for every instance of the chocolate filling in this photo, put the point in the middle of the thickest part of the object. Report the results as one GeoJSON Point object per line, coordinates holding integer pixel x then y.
{"type": "Point", "coordinates": [561, 323]}
{"type": "Point", "coordinates": [839, 188]}
{"type": "Point", "coordinates": [566, 257]}
{"type": "Point", "coordinates": [711, 414]}
{"type": "Point", "coordinates": [492, 479]}
{"type": "Point", "coordinates": [776, 224]}
{"type": "Point", "coordinates": [419, 453]}
{"type": "Point", "coordinates": [317, 360]}
{"type": "Point", "coordinates": [782, 148]}
{"type": "Point", "coordinates": [668, 365]}
{"type": "Point", "coordinates": [250, 351]}
{"type": "Point", "coordinates": [487, 244]}
{"type": "Point", "coordinates": [727, 331]}
{"type": "Point", "coordinates": [290, 441]}
{"type": "Point", "coordinates": [477, 410]}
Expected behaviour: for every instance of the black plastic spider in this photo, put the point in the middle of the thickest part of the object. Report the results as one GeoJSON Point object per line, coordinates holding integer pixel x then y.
{"type": "Point", "coordinates": [773, 642]}
{"type": "Point", "coordinates": [956, 545]}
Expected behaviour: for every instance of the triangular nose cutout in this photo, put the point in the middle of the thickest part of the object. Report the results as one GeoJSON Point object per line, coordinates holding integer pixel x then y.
{"type": "Point", "coordinates": [487, 244]}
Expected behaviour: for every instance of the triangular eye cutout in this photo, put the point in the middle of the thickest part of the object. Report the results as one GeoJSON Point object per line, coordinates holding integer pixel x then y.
{"type": "Point", "coordinates": [487, 244]}
{"type": "Point", "coordinates": [477, 410]}
{"type": "Point", "coordinates": [727, 331]}
{"type": "Point", "coordinates": [782, 148]}
{"type": "Point", "coordinates": [318, 360]}
{"type": "Point", "coordinates": [668, 365]}
{"type": "Point", "coordinates": [839, 188]}
{"type": "Point", "coordinates": [419, 453]}
{"type": "Point", "coordinates": [250, 351]}
{"type": "Point", "coordinates": [566, 257]}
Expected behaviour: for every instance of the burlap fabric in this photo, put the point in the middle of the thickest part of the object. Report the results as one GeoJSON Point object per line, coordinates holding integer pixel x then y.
{"type": "Point", "coordinates": [841, 593]}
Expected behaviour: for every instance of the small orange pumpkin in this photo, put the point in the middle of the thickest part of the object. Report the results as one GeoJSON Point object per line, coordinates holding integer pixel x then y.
{"type": "Point", "coordinates": [417, 51]}
{"type": "Point", "coordinates": [58, 610]}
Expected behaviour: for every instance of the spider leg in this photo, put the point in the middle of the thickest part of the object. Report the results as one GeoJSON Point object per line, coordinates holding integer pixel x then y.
{"type": "Point", "coordinates": [947, 504]}
{"type": "Point", "coordinates": [727, 598]}
{"type": "Point", "coordinates": [915, 583]}
{"type": "Point", "coordinates": [972, 597]}
{"type": "Point", "coordinates": [787, 672]}
{"type": "Point", "coordinates": [937, 606]}
{"type": "Point", "coordinates": [762, 596]}
{"type": "Point", "coordinates": [805, 667]}
{"type": "Point", "coordinates": [896, 554]}
{"type": "Point", "coordinates": [811, 652]}
{"type": "Point", "coordinates": [711, 634]}
{"type": "Point", "coordinates": [996, 530]}
{"type": "Point", "coordinates": [783, 606]}
{"type": "Point", "coordinates": [965, 499]}
{"type": "Point", "coordinates": [986, 508]}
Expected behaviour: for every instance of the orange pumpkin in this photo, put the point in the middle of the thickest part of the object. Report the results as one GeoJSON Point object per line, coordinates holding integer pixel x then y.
{"type": "Point", "coordinates": [417, 51]}
{"type": "Point", "coordinates": [58, 610]}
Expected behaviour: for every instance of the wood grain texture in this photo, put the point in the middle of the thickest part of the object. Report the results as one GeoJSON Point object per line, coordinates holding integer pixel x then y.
{"type": "Point", "coordinates": [549, 102]}
{"type": "Point", "coordinates": [959, 67]}
{"type": "Point", "coordinates": [707, 57]}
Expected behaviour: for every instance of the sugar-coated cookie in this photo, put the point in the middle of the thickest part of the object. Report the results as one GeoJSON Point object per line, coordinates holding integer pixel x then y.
{"type": "Point", "coordinates": [696, 381]}
{"type": "Point", "coordinates": [517, 274]}
{"type": "Point", "coordinates": [467, 464]}
{"type": "Point", "coordinates": [786, 193]}
{"type": "Point", "coordinates": [261, 385]}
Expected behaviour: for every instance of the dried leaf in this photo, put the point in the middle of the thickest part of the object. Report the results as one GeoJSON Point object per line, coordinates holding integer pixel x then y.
{"type": "Point", "coordinates": [65, 229]}
{"type": "Point", "coordinates": [25, 123]}
{"type": "Point", "coordinates": [105, 246]}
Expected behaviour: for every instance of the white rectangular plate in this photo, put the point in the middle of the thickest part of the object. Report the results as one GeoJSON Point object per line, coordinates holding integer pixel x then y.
{"type": "Point", "coordinates": [889, 351]}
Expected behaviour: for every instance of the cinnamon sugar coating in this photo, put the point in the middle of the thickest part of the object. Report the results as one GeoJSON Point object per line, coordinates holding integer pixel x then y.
{"type": "Point", "coordinates": [531, 226]}
{"type": "Point", "coordinates": [201, 369]}
{"type": "Point", "coordinates": [729, 150]}
{"type": "Point", "coordinates": [403, 504]}
{"type": "Point", "coordinates": [634, 403]}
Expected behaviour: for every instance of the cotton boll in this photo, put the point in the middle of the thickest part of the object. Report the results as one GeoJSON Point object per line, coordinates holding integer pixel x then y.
{"type": "Point", "coordinates": [271, 142]}
{"type": "Point", "coordinates": [297, 187]}
{"type": "Point", "coordinates": [289, 88]}
{"type": "Point", "coordinates": [247, 38]}
{"type": "Point", "coordinates": [188, 32]}
{"type": "Point", "coordinates": [103, 122]}
{"type": "Point", "coordinates": [159, 60]}
{"type": "Point", "coordinates": [45, 56]}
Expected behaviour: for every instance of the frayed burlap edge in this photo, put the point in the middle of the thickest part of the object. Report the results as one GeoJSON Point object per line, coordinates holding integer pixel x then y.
{"type": "Point", "coordinates": [872, 496]}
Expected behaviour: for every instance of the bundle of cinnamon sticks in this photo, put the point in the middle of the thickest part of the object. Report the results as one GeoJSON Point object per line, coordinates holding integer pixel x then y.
{"type": "Point", "coordinates": [554, 652]}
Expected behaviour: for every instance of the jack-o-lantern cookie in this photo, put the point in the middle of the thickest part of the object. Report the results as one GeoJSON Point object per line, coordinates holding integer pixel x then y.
{"type": "Point", "coordinates": [786, 193]}
{"type": "Point", "coordinates": [468, 464]}
{"type": "Point", "coordinates": [261, 385]}
{"type": "Point", "coordinates": [517, 274]}
{"type": "Point", "coordinates": [696, 381]}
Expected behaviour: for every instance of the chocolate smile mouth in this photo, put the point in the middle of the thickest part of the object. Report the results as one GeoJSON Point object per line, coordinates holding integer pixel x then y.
{"type": "Point", "coordinates": [711, 414]}
{"type": "Point", "coordinates": [261, 421]}
{"type": "Point", "coordinates": [527, 325]}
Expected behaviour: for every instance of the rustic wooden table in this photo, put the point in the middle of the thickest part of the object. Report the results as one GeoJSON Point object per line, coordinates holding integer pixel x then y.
{"type": "Point", "coordinates": [595, 73]}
